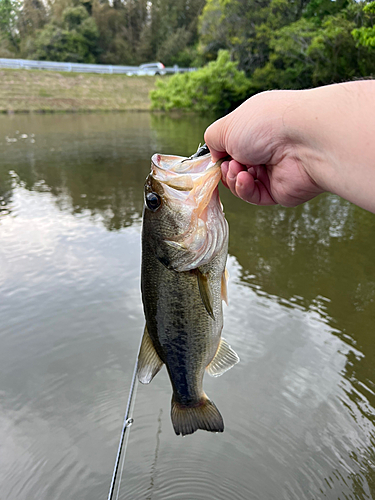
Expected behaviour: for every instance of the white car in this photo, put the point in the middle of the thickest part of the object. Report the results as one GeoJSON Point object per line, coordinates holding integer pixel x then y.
{"type": "Point", "coordinates": [152, 69]}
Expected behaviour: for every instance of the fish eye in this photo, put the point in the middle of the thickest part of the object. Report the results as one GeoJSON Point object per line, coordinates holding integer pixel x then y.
{"type": "Point", "coordinates": [153, 201]}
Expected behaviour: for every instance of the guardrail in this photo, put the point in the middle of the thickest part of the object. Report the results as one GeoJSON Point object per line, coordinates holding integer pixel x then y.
{"type": "Point", "coordinates": [82, 68]}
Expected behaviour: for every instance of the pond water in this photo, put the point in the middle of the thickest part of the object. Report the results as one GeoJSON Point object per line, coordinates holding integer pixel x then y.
{"type": "Point", "coordinates": [299, 408]}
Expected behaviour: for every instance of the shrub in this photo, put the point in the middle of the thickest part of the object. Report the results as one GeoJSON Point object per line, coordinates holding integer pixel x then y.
{"type": "Point", "coordinates": [217, 87]}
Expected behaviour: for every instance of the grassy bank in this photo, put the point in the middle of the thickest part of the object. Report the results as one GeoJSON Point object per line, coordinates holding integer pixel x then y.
{"type": "Point", "coordinates": [50, 91]}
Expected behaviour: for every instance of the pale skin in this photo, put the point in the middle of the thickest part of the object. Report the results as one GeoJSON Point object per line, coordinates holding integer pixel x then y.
{"type": "Point", "coordinates": [289, 146]}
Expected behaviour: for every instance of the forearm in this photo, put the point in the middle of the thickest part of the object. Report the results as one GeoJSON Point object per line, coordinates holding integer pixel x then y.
{"type": "Point", "coordinates": [335, 139]}
{"type": "Point", "coordinates": [288, 146]}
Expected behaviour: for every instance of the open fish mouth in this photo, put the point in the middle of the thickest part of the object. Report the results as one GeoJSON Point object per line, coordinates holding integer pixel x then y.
{"type": "Point", "coordinates": [196, 178]}
{"type": "Point", "coordinates": [183, 174]}
{"type": "Point", "coordinates": [191, 185]}
{"type": "Point", "coordinates": [181, 164]}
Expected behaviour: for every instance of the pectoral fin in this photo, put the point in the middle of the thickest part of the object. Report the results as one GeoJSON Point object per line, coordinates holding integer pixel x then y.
{"type": "Point", "coordinates": [149, 362]}
{"type": "Point", "coordinates": [223, 360]}
{"type": "Point", "coordinates": [224, 286]}
{"type": "Point", "coordinates": [206, 294]}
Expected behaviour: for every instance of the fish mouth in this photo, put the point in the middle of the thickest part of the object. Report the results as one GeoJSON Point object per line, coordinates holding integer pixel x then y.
{"type": "Point", "coordinates": [191, 181]}
{"type": "Point", "coordinates": [192, 185]}
{"type": "Point", "coordinates": [181, 164]}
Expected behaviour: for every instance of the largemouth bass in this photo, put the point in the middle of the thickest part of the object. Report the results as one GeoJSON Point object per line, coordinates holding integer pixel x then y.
{"type": "Point", "coordinates": [183, 282]}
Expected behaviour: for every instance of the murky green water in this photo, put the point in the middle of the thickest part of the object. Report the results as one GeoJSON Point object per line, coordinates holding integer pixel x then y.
{"type": "Point", "coordinates": [299, 409]}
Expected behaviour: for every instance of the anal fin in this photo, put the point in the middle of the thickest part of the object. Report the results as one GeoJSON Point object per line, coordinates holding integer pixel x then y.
{"type": "Point", "coordinates": [149, 362]}
{"type": "Point", "coordinates": [224, 359]}
{"type": "Point", "coordinates": [224, 286]}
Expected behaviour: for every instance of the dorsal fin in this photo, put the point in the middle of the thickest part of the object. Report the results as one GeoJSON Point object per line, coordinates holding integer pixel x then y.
{"type": "Point", "coordinates": [149, 362]}
{"type": "Point", "coordinates": [224, 359]}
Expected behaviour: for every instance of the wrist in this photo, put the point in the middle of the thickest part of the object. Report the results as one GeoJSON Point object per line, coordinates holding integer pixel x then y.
{"type": "Point", "coordinates": [323, 121]}
{"type": "Point", "coordinates": [336, 139]}
{"type": "Point", "coordinates": [303, 137]}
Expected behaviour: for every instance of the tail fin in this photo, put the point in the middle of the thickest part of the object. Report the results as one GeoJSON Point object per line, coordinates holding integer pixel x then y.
{"type": "Point", "coordinates": [188, 419]}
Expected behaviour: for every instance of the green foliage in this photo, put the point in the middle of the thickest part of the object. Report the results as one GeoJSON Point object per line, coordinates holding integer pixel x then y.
{"type": "Point", "coordinates": [365, 35]}
{"type": "Point", "coordinates": [280, 44]}
{"type": "Point", "coordinates": [102, 31]}
{"type": "Point", "coordinates": [244, 27]}
{"type": "Point", "coordinates": [317, 10]}
{"type": "Point", "coordinates": [333, 52]}
{"type": "Point", "coordinates": [74, 40]}
{"type": "Point", "coordinates": [139, 31]}
{"type": "Point", "coordinates": [173, 29]}
{"type": "Point", "coordinates": [32, 17]}
{"type": "Point", "coordinates": [289, 64]}
{"type": "Point", "coordinates": [304, 54]}
{"type": "Point", "coordinates": [277, 43]}
{"type": "Point", "coordinates": [172, 46]}
{"type": "Point", "coordinates": [120, 26]}
{"type": "Point", "coordinates": [9, 14]}
{"type": "Point", "coordinates": [73, 17]}
{"type": "Point", "coordinates": [213, 88]}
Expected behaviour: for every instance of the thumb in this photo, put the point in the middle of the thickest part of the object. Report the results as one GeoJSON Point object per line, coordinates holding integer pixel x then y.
{"type": "Point", "coordinates": [214, 137]}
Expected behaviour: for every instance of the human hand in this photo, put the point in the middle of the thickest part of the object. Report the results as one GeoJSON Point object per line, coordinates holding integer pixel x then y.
{"type": "Point", "coordinates": [272, 160]}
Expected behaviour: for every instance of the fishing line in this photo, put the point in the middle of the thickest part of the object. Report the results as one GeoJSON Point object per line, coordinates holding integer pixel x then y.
{"type": "Point", "coordinates": [126, 445]}
{"type": "Point", "coordinates": [127, 423]}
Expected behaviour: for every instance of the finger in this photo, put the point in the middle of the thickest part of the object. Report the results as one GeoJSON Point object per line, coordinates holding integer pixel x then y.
{"type": "Point", "coordinates": [234, 169]}
{"type": "Point", "coordinates": [262, 174]}
{"type": "Point", "coordinates": [252, 190]}
{"type": "Point", "coordinates": [224, 172]}
{"type": "Point", "coordinates": [245, 187]}
{"type": "Point", "coordinates": [252, 171]}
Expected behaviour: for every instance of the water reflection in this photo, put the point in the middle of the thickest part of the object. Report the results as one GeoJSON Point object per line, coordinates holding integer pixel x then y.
{"type": "Point", "coordinates": [5, 193]}
{"type": "Point", "coordinates": [299, 408]}
{"type": "Point", "coordinates": [316, 256]}
{"type": "Point", "coordinates": [94, 163]}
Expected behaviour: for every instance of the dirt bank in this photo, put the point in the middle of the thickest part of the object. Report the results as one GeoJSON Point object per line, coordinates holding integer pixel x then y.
{"type": "Point", "coordinates": [49, 91]}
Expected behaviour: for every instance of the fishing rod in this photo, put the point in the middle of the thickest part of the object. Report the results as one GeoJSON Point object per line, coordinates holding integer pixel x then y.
{"type": "Point", "coordinates": [127, 423]}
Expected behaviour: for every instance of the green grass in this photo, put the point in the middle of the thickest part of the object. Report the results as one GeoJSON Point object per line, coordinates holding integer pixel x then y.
{"type": "Point", "coordinates": [49, 91]}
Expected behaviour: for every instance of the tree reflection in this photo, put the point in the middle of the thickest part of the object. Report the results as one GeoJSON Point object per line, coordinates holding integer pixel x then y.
{"type": "Point", "coordinates": [96, 164]}
{"type": "Point", "coordinates": [5, 192]}
{"type": "Point", "coordinates": [319, 256]}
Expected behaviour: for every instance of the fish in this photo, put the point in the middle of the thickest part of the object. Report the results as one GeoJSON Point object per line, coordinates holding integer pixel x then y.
{"type": "Point", "coordinates": [183, 284]}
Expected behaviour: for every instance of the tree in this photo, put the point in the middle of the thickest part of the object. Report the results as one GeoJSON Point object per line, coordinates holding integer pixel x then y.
{"type": "Point", "coordinates": [244, 27]}
{"type": "Point", "coordinates": [365, 35]}
{"type": "Point", "coordinates": [171, 29]}
{"type": "Point", "coordinates": [32, 17]}
{"type": "Point", "coordinates": [120, 26]}
{"type": "Point", "coordinates": [73, 39]}
{"type": "Point", "coordinates": [9, 14]}
{"type": "Point", "coordinates": [313, 51]}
